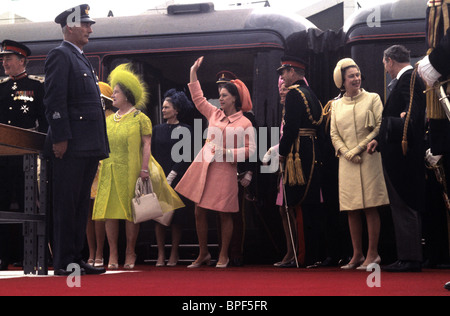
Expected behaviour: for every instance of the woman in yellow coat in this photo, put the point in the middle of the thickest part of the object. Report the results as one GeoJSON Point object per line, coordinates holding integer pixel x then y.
{"type": "Point", "coordinates": [129, 133]}
{"type": "Point", "coordinates": [355, 121]}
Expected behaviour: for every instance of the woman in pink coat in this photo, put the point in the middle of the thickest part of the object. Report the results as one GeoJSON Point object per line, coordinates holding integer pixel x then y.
{"type": "Point", "coordinates": [211, 180]}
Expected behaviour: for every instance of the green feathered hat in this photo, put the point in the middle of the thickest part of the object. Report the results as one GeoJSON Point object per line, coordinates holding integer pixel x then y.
{"type": "Point", "coordinates": [124, 75]}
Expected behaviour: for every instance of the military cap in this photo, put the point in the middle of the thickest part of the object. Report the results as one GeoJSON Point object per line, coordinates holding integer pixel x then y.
{"type": "Point", "coordinates": [70, 15]}
{"type": "Point", "coordinates": [291, 62]}
{"type": "Point", "coordinates": [12, 47]}
{"type": "Point", "coordinates": [225, 76]}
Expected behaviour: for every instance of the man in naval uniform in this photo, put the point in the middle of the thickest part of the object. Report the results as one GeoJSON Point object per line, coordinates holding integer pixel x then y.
{"type": "Point", "coordinates": [302, 137]}
{"type": "Point", "coordinates": [76, 138]}
{"type": "Point", "coordinates": [436, 67]}
{"type": "Point", "coordinates": [21, 106]}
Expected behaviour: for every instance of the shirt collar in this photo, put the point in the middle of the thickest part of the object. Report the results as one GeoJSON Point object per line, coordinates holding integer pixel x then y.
{"type": "Point", "coordinates": [405, 69]}
{"type": "Point", "coordinates": [76, 47]}
{"type": "Point", "coordinates": [234, 117]}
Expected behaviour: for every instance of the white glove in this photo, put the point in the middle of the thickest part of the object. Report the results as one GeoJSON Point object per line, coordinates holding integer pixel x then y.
{"type": "Point", "coordinates": [432, 160]}
{"type": "Point", "coordinates": [171, 176]}
{"type": "Point", "coordinates": [270, 154]}
{"type": "Point", "coordinates": [245, 181]}
{"type": "Point", "coordinates": [427, 72]}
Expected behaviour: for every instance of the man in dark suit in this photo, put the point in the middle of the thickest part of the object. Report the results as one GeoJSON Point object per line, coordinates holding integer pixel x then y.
{"type": "Point", "coordinates": [302, 135]}
{"type": "Point", "coordinates": [404, 171]}
{"type": "Point", "coordinates": [76, 139]}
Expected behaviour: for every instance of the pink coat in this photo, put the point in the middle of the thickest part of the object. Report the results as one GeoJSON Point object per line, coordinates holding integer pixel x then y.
{"type": "Point", "coordinates": [211, 180]}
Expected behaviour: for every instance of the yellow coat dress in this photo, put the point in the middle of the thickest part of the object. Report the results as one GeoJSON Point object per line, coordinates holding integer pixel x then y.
{"type": "Point", "coordinates": [119, 172]}
{"type": "Point", "coordinates": [355, 120]}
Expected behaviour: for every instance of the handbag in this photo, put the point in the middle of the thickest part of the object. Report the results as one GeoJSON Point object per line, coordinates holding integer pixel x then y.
{"type": "Point", "coordinates": [166, 219]}
{"type": "Point", "coordinates": [145, 204]}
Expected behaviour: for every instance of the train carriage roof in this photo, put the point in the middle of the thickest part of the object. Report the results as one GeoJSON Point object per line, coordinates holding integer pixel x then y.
{"type": "Point", "coordinates": [163, 24]}
{"type": "Point", "coordinates": [395, 19]}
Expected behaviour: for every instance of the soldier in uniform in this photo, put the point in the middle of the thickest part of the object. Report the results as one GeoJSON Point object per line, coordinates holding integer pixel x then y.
{"type": "Point", "coordinates": [300, 149]}
{"type": "Point", "coordinates": [21, 105]}
{"type": "Point", "coordinates": [76, 139]}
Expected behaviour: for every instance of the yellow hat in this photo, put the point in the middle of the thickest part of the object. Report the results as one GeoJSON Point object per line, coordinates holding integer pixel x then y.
{"type": "Point", "coordinates": [106, 92]}
{"type": "Point", "coordinates": [342, 65]}
{"type": "Point", "coordinates": [124, 75]}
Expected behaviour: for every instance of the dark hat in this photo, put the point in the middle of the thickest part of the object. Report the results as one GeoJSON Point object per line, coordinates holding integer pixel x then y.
{"type": "Point", "coordinates": [78, 14]}
{"type": "Point", "coordinates": [12, 47]}
{"type": "Point", "coordinates": [225, 76]}
{"type": "Point", "coordinates": [291, 62]}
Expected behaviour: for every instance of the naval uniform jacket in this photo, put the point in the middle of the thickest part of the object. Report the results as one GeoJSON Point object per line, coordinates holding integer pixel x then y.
{"type": "Point", "coordinates": [296, 118]}
{"type": "Point", "coordinates": [21, 102]}
{"type": "Point", "coordinates": [73, 104]}
{"type": "Point", "coordinates": [440, 129]}
{"type": "Point", "coordinates": [406, 173]}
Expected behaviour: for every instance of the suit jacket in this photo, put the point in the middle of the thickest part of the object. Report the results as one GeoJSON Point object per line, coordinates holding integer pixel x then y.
{"type": "Point", "coordinates": [73, 105]}
{"type": "Point", "coordinates": [406, 173]}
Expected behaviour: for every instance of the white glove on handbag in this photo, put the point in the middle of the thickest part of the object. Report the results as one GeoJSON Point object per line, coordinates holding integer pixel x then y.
{"type": "Point", "coordinates": [427, 71]}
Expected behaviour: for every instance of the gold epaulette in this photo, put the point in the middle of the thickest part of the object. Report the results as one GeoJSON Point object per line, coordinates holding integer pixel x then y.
{"type": "Point", "coordinates": [4, 80]}
{"type": "Point", "coordinates": [37, 78]}
{"type": "Point", "coordinates": [308, 110]}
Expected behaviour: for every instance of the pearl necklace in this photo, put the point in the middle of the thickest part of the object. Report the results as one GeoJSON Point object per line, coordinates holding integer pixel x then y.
{"type": "Point", "coordinates": [118, 117]}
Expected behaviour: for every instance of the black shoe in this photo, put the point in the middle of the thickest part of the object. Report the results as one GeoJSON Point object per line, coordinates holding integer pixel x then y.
{"type": "Point", "coordinates": [62, 272]}
{"type": "Point", "coordinates": [90, 269]}
{"type": "Point", "coordinates": [447, 286]}
{"type": "Point", "coordinates": [403, 266]}
{"type": "Point", "coordinates": [3, 265]}
{"type": "Point", "coordinates": [290, 264]}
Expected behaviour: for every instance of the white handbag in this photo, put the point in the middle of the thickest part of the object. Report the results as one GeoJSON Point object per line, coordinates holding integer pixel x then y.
{"type": "Point", "coordinates": [166, 219]}
{"type": "Point", "coordinates": [145, 205]}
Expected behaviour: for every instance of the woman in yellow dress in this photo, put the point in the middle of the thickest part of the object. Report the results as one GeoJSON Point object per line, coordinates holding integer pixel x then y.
{"type": "Point", "coordinates": [129, 133]}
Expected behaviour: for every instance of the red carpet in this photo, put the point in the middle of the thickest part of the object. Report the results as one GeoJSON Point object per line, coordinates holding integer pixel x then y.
{"type": "Point", "coordinates": [246, 281]}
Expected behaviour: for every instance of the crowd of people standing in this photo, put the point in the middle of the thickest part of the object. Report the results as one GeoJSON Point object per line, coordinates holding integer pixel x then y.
{"type": "Point", "coordinates": [380, 151]}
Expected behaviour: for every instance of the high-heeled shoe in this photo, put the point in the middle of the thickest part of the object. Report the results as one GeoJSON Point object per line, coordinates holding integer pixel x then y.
{"type": "Point", "coordinates": [206, 260]}
{"type": "Point", "coordinates": [223, 265]}
{"type": "Point", "coordinates": [130, 265]}
{"type": "Point", "coordinates": [282, 262]}
{"type": "Point", "coordinates": [172, 263]}
{"type": "Point", "coordinates": [351, 266]}
{"type": "Point", "coordinates": [98, 263]}
{"type": "Point", "coordinates": [364, 266]}
{"type": "Point", "coordinates": [113, 266]}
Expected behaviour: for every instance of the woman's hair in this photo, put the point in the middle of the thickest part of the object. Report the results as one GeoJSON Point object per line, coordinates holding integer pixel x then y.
{"type": "Point", "coordinates": [233, 90]}
{"type": "Point", "coordinates": [180, 102]}
{"type": "Point", "coordinates": [127, 93]}
{"type": "Point", "coordinates": [344, 71]}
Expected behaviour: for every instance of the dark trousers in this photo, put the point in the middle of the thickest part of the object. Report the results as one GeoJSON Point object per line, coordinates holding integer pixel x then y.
{"type": "Point", "coordinates": [407, 226]}
{"type": "Point", "coordinates": [12, 189]}
{"type": "Point", "coordinates": [72, 181]}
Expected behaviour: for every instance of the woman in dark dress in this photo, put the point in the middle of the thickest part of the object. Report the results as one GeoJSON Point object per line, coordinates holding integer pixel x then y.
{"type": "Point", "coordinates": [176, 109]}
